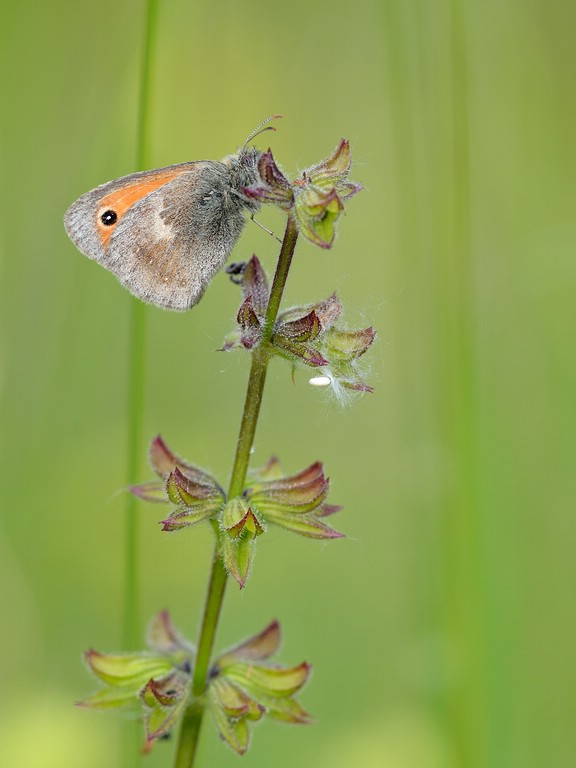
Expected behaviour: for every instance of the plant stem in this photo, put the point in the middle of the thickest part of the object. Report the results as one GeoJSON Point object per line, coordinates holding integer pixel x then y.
{"type": "Point", "coordinates": [137, 365]}
{"type": "Point", "coordinates": [472, 717]}
{"type": "Point", "coordinates": [192, 720]}
{"type": "Point", "coordinates": [136, 385]}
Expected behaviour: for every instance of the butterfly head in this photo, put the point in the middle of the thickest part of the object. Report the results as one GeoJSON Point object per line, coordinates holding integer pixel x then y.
{"type": "Point", "coordinates": [243, 168]}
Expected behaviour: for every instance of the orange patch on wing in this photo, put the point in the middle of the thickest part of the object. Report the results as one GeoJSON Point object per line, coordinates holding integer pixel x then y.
{"type": "Point", "coordinates": [121, 200]}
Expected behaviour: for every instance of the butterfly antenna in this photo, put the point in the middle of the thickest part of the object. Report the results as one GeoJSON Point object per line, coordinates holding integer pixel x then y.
{"type": "Point", "coordinates": [260, 129]}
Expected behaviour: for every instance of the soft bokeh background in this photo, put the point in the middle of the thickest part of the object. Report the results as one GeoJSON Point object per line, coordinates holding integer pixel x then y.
{"type": "Point", "coordinates": [442, 630]}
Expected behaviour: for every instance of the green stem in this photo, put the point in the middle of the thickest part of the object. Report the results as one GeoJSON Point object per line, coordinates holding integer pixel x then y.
{"type": "Point", "coordinates": [192, 720]}
{"type": "Point", "coordinates": [137, 366]}
{"type": "Point", "coordinates": [136, 386]}
{"type": "Point", "coordinates": [470, 717]}
{"type": "Point", "coordinates": [130, 612]}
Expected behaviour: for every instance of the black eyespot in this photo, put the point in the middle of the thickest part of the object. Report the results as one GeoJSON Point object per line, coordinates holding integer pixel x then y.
{"type": "Point", "coordinates": [108, 218]}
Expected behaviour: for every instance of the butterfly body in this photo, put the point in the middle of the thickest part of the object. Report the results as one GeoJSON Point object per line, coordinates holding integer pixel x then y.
{"type": "Point", "coordinates": [165, 233]}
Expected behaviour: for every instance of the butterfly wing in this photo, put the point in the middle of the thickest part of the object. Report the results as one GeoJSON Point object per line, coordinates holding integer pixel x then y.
{"type": "Point", "coordinates": [163, 233]}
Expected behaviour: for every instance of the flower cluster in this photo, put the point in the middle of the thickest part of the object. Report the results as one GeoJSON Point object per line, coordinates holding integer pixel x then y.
{"type": "Point", "coordinates": [157, 681]}
{"type": "Point", "coordinates": [316, 197]}
{"type": "Point", "coordinates": [242, 688]}
{"type": "Point", "coordinates": [295, 502]}
{"type": "Point", "coordinates": [306, 335]}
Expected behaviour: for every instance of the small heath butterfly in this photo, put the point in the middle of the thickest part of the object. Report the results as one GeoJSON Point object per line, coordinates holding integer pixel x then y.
{"type": "Point", "coordinates": [165, 233]}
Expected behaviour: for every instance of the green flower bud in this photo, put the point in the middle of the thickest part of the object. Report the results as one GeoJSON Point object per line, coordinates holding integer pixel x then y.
{"type": "Point", "coordinates": [239, 530]}
{"type": "Point", "coordinates": [316, 213]}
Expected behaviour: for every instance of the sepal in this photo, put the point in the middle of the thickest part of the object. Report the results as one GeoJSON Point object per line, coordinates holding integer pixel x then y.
{"type": "Point", "coordinates": [164, 461]}
{"type": "Point", "coordinates": [249, 323]}
{"type": "Point", "coordinates": [163, 637]}
{"type": "Point", "coordinates": [164, 702]}
{"type": "Point", "coordinates": [332, 172]}
{"type": "Point", "coordinates": [232, 725]}
{"type": "Point", "coordinates": [256, 648]}
{"type": "Point", "coordinates": [153, 491]}
{"type": "Point", "coordinates": [188, 492]}
{"type": "Point", "coordinates": [297, 351]}
{"type": "Point", "coordinates": [254, 283]}
{"type": "Point", "coordinates": [343, 348]}
{"type": "Point", "coordinates": [317, 211]}
{"type": "Point", "coordinates": [126, 670]}
{"type": "Point", "coordinates": [239, 530]}
{"type": "Point", "coordinates": [348, 345]}
{"type": "Point", "coordinates": [327, 311]}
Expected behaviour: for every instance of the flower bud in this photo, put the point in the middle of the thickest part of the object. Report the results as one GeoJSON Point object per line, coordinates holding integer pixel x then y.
{"type": "Point", "coordinates": [240, 529]}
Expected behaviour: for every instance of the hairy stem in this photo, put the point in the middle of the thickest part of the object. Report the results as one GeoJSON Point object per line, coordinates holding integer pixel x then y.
{"type": "Point", "coordinates": [192, 720]}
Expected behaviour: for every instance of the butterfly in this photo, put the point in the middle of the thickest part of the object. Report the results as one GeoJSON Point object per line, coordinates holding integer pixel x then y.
{"type": "Point", "coordinates": [165, 233]}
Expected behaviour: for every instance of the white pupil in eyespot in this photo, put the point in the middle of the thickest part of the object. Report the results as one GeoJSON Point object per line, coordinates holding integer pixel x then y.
{"type": "Point", "coordinates": [108, 218]}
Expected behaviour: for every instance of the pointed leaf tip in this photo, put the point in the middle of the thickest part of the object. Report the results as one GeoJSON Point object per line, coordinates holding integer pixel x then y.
{"type": "Point", "coordinates": [255, 285]}
{"type": "Point", "coordinates": [153, 491]}
{"type": "Point", "coordinates": [161, 457]}
{"type": "Point", "coordinates": [335, 168]}
{"type": "Point", "coordinates": [256, 648]}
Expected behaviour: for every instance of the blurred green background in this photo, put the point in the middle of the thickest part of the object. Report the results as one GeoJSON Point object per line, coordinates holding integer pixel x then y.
{"type": "Point", "coordinates": [442, 630]}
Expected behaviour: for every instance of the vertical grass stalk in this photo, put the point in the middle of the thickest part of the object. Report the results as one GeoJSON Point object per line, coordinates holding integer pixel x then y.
{"type": "Point", "coordinates": [137, 361]}
{"type": "Point", "coordinates": [136, 385]}
{"type": "Point", "coordinates": [463, 532]}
